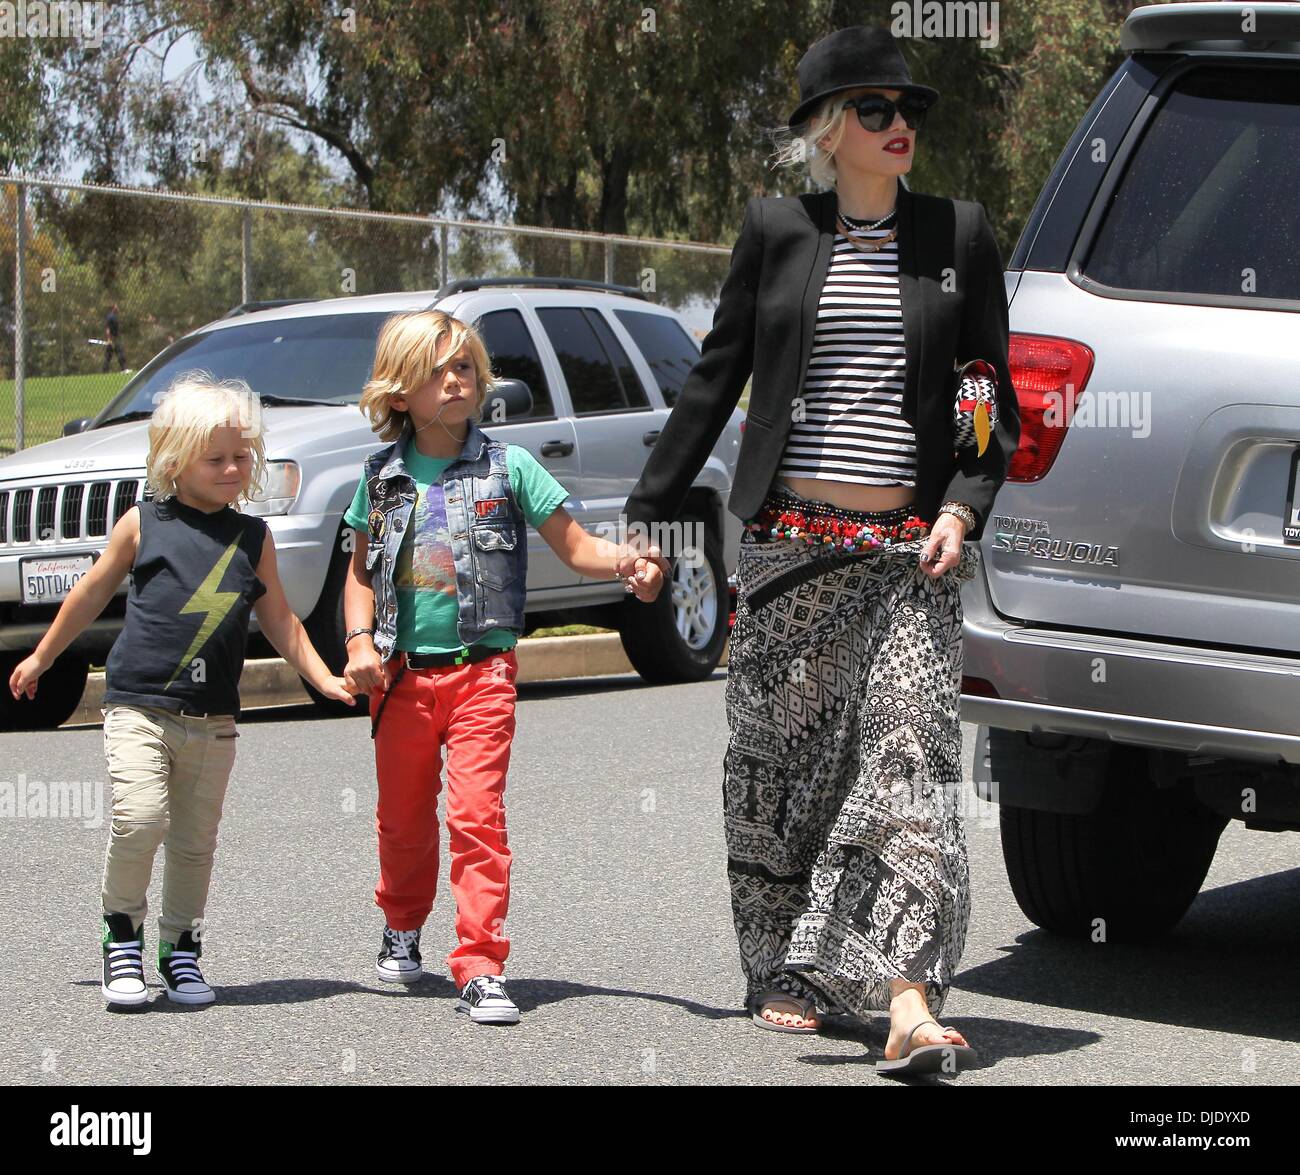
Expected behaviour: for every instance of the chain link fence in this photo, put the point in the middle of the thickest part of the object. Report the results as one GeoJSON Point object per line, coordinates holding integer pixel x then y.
{"type": "Point", "coordinates": [103, 278]}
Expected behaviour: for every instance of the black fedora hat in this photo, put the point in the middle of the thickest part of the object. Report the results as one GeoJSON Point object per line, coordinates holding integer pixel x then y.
{"type": "Point", "coordinates": [848, 58]}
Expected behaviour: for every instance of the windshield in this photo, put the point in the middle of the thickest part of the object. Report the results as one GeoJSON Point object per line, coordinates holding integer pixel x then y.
{"type": "Point", "coordinates": [325, 357]}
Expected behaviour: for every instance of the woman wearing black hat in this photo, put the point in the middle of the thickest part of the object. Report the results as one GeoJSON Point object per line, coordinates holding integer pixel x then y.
{"type": "Point", "coordinates": [861, 475]}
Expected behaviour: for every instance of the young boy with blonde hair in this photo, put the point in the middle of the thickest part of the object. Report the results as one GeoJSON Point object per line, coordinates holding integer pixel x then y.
{"type": "Point", "coordinates": [434, 604]}
{"type": "Point", "coordinates": [198, 567]}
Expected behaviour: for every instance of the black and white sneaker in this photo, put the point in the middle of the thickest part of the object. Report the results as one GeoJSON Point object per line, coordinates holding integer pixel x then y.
{"type": "Point", "coordinates": [485, 999]}
{"type": "Point", "coordinates": [399, 956]}
{"type": "Point", "coordinates": [178, 968]}
{"type": "Point", "coordinates": [123, 946]}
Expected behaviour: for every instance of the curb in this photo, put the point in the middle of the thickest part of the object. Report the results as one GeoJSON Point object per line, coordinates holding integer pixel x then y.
{"type": "Point", "coordinates": [271, 682]}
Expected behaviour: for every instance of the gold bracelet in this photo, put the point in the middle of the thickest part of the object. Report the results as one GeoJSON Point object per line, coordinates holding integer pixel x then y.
{"type": "Point", "coordinates": [962, 511]}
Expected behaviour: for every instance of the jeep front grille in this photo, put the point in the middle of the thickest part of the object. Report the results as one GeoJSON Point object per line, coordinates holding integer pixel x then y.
{"type": "Point", "coordinates": [68, 513]}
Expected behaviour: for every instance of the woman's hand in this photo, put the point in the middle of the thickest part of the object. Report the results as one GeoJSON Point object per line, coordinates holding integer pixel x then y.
{"type": "Point", "coordinates": [942, 549]}
{"type": "Point", "coordinates": [645, 573]}
{"type": "Point", "coordinates": [365, 671]}
{"type": "Point", "coordinates": [23, 679]}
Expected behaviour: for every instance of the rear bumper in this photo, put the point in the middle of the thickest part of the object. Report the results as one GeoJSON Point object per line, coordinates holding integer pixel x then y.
{"type": "Point", "coordinates": [1143, 692]}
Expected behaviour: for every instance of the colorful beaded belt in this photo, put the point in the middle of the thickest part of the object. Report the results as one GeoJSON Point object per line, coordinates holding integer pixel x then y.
{"type": "Point", "coordinates": [821, 523]}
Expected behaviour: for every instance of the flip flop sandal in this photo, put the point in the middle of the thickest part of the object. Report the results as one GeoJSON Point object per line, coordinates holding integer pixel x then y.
{"type": "Point", "coordinates": [929, 1058]}
{"type": "Point", "coordinates": [807, 1011]}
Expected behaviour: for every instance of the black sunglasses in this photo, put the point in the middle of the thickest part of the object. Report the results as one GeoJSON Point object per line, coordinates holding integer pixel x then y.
{"type": "Point", "coordinates": [876, 112]}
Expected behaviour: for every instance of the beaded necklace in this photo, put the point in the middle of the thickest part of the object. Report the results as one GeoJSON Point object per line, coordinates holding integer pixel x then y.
{"type": "Point", "coordinates": [850, 225]}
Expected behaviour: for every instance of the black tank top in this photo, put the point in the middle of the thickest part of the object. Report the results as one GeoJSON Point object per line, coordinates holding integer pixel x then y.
{"type": "Point", "coordinates": [193, 585]}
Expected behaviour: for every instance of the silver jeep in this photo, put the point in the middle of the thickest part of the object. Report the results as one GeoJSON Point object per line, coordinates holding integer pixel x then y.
{"type": "Point", "coordinates": [1132, 650]}
{"type": "Point", "coordinates": [592, 372]}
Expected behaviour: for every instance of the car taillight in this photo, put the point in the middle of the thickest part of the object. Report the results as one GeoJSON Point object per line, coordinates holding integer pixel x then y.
{"type": "Point", "coordinates": [1048, 375]}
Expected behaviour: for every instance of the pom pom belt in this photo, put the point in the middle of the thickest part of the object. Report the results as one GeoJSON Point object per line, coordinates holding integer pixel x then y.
{"type": "Point", "coordinates": [821, 524]}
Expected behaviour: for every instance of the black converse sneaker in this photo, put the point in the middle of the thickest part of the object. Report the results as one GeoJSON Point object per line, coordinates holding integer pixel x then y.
{"type": "Point", "coordinates": [399, 956]}
{"type": "Point", "coordinates": [178, 968]}
{"type": "Point", "coordinates": [485, 999]}
{"type": "Point", "coordinates": [123, 946]}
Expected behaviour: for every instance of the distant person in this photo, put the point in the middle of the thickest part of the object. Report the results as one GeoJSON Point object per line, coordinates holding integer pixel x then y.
{"type": "Point", "coordinates": [114, 344]}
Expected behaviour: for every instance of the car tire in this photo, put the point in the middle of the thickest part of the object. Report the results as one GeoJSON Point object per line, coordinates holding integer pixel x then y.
{"type": "Point", "coordinates": [58, 693]}
{"type": "Point", "coordinates": [681, 634]}
{"type": "Point", "coordinates": [325, 627]}
{"type": "Point", "coordinates": [1128, 870]}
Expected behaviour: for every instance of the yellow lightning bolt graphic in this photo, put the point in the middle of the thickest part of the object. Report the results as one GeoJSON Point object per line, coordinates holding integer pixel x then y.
{"type": "Point", "coordinates": [207, 599]}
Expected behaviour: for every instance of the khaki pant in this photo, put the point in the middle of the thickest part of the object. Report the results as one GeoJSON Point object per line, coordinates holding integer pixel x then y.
{"type": "Point", "coordinates": [169, 774]}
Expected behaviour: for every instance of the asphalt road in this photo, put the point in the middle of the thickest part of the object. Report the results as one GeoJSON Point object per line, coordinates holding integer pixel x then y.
{"type": "Point", "coordinates": [623, 958]}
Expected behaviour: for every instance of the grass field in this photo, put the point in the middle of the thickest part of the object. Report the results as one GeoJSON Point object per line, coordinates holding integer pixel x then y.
{"type": "Point", "coordinates": [51, 401]}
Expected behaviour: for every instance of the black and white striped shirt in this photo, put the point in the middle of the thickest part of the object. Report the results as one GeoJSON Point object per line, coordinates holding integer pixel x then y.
{"type": "Point", "coordinates": [853, 429]}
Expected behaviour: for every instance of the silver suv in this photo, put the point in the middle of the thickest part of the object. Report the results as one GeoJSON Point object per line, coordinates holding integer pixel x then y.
{"type": "Point", "coordinates": [593, 371]}
{"type": "Point", "coordinates": [1132, 644]}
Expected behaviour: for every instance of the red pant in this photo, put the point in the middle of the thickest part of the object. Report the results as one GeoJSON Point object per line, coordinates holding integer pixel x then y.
{"type": "Point", "coordinates": [472, 709]}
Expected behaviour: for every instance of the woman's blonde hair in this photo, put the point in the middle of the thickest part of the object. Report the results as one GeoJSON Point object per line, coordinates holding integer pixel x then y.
{"type": "Point", "coordinates": [798, 145]}
{"type": "Point", "coordinates": [184, 420]}
{"type": "Point", "coordinates": [411, 350]}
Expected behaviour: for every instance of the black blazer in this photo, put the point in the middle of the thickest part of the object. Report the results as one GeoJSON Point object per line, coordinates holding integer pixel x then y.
{"type": "Point", "coordinates": [954, 309]}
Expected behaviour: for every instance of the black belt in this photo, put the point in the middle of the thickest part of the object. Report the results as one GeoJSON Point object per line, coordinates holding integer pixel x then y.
{"type": "Point", "coordinates": [787, 580]}
{"type": "Point", "coordinates": [430, 661]}
{"type": "Point", "coordinates": [462, 656]}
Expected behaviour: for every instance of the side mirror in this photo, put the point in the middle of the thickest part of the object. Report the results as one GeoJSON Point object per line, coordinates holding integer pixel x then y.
{"type": "Point", "coordinates": [514, 397]}
{"type": "Point", "coordinates": [75, 426]}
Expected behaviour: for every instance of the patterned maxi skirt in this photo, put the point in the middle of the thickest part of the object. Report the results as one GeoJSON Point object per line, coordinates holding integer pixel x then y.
{"type": "Point", "coordinates": [842, 776]}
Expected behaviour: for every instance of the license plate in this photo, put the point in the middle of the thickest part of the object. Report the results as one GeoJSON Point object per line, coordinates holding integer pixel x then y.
{"type": "Point", "coordinates": [48, 580]}
{"type": "Point", "coordinates": [1291, 519]}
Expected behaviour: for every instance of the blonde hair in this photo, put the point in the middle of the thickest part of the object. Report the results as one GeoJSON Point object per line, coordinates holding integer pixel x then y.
{"type": "Point", "coordinates": [412, 349]}
{"type": "Point", "coordinates": [184, 420]}
{"type": "Point", "coordinates": [798, 145]}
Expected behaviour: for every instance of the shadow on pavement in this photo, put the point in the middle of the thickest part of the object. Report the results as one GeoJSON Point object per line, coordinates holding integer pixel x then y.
{"type": "Point", "coordinates": [529, 994]}
{"type": "Point", "coordinates": [1228, 942]}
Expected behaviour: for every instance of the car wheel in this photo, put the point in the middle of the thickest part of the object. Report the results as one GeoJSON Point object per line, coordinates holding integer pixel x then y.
{"type": "Point", "coordinates": [681, 635]}
{"type": "Point", "coordinates": [1128, 870]}
{"type": "Point", "coordinates": [58, 693]}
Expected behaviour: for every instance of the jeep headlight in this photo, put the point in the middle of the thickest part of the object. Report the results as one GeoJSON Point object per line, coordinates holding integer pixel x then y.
{"type": "Point", "coordinates": [283, 479]}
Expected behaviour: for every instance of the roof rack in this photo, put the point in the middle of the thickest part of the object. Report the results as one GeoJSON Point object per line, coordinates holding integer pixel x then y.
{"type": "Point", "coordinates": [543, 283]}
{"type": "Point", "coordinates": [1215, 27]}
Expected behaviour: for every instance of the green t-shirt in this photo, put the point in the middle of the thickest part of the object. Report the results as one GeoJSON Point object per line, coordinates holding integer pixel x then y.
{"type": "Point", "coordinates": [425, 575]}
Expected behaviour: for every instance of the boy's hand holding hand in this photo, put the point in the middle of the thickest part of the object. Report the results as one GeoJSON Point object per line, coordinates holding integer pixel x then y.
{"type": "Point", "coordinates": [23, 679]}
{"type": "Point", "coordinates": [644, 572]}
{"type": "Point", "coordinates": [365, 671]}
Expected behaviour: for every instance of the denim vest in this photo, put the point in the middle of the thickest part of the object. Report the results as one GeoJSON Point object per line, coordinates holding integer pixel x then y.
{"type": "Point", "coordinates": [488, 533]}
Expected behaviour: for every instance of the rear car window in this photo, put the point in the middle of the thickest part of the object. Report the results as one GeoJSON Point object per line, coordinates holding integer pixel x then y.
{"type": "Point", "coordinates": [667, 348]}
{"type": "Point", "coordinates": [600, 376]}
{"type": "Point", "coordinates": [1208, 204]}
